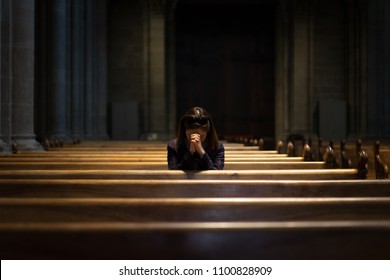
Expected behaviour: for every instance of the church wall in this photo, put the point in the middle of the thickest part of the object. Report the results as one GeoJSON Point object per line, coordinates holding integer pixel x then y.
{"type": "Point", "coordinates": [64, 62]}
{"type": "Point", "coordinates": [137, 62]}
{"type": "Point", "coordinates": [321, 56]}
{"type": "Point", "coordinates": [378, 68]}
{"type": "Point", "coordinates": [328, 78]}
{"type": "Point", "coordinates": [126, 51]}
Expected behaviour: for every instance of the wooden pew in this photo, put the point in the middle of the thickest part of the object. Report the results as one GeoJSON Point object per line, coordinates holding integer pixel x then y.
{"type": "Point", "coordinates": [140, 148]}
{"type": "Point", "coordinates": [141, 152]}
{"type": "Point", "coordinates": [240, 228]}
{"type": "Point", "coordinates": [149, 146]}
{"type": "Point", "coordinates": [42, 210]}
{"type": "Point", "coordinates": [192, 188]}
{"type": "Point", "coordinates": [197, 240]}
{"type": "Point", "coordinates": [133, 156]}
{"type": "Point", "coordinates": [352, 151]}
{"type": "Point", "coordinates": [293, 174]}
{"type": "Point", "coordinates": [141, 161]}
{"type": "Point", "coordinates": [155, 165]}
{"type": "Point", "coordinates": [137, 158]}
{"type": "Point", "coordinates": [107, 144]}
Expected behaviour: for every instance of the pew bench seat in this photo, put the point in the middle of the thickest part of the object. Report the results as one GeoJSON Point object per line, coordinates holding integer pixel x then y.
{"type": "Point", "coordinates": [197, 240]}
{"type": "Point", "coordinates": [162, 159]}
{"type": "Point", "coordinates": [191, 188]}
{"type": "Point", "coordinates": [231, 165]}
{"type": "Point", "coordinates": [192, 209]}
{"type": "Point", "coordinates": [289, 174]}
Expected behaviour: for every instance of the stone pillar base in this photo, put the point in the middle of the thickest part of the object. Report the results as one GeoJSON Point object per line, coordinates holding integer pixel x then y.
{"type": "Point", "coordinates": [28, 145]}
{"type": "Point", "coordinates": [4, 148]}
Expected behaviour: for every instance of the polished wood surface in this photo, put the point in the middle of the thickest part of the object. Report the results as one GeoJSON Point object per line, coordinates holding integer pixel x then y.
{"type": "Point", "coordinates": [197, 240]}
{"type": "Point", "coordinates": [94, 200]}
{"type": "Point", "coordinates": [189, 188]}
{"type": "Point", "coordinates": [192, 209]}
{"type": "Point", "coordinates": [290, 174]}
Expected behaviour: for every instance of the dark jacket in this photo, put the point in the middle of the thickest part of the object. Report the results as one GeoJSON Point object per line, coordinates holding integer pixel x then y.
{"type": "Point", "coordinates": [182, 159]}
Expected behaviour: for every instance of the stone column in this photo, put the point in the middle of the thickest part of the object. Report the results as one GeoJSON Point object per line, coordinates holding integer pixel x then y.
{"type": "Point", "coordinates": [301, 90]}
{"type": "Point", "coordinates": [356, 54]}
{"type": "Point", "coordinates": [71, 89]}
{"type": "Point", "coordinates": [77, 68]}
{"type": "Point", "coordinates": [101, 70]}
{"type": "Point", "coordinates": [283, 83]}
{"type": "Point", "coordinates": [22, 44]}
{"type": "Point", "coordinates": [4, 21]}
{"type": "Point", "coordinates": [95, 98]}
{"type": "Point", "coordinates": [90, 85]}
{"type": "Point", "coordinates": [171, 68]}
{"type": "Point", "coordinates": [41, 70]}
{"type": "Point", "coordinates": [155, 103]}
{"type": "Point", "coordinates": [293, 69]}
{"type": "Point", "coordinates": [57, 68]}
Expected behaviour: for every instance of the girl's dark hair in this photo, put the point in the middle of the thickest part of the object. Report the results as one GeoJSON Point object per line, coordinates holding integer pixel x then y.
{"type": "Point", "coordinates": [198, 117]}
